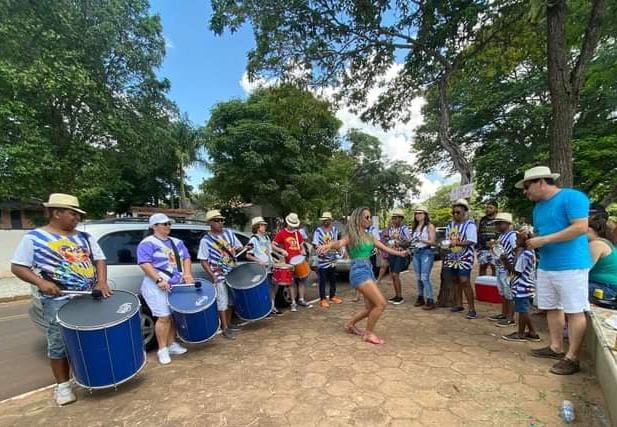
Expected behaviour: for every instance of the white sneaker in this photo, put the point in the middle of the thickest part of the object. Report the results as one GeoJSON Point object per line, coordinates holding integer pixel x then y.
{"type": "Point", "coordinates": [64, 394]}
{"type": "Point", "coordinates": [175, 348]}
{"type": "Point", "coordinates": [163, 355]}
{"type": "Point", "coordinates": [294, 307]}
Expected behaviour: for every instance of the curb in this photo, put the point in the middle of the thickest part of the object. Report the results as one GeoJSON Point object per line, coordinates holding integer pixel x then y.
{"type": "Point", "coordinates": [15, 298]}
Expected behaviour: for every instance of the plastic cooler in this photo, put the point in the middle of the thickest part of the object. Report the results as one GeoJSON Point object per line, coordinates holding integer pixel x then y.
{"type": "Point", "coordinates": [486, 289]}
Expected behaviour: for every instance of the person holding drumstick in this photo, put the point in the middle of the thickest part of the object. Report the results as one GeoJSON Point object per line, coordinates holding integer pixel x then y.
{"type": "Point", "coordinates": [165, 262]}
{"type": "Point", "coordinates": [360, 244]}
{"type": "Point", "coordinates": [57, 258]}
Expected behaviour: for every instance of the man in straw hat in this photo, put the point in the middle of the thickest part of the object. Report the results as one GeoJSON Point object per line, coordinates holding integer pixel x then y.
{"type": "Point", "coordinates": [560, 222]}
{"type": "Point", "coordinates": [56, 258]}
{"type": "Point", "coordinates": [217, 251]}
{"type": "Point", "coordinates": [397, 236]}
{"type": "Point", "coordinates": [323, 235]}
{"type": "Point", "coordinates": [290, 240]}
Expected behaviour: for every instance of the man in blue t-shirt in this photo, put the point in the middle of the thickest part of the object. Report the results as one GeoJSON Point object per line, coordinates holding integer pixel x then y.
{"type": "Point", "coordinates": [560, 222]}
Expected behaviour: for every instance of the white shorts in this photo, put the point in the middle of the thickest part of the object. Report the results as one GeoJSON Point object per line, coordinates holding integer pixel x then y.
{"type": "Point", "coordinates": [565, 290]}
{"type": "Point", "coordinates": [156, 298]}
{"type": "Point", "coordinates": [222, 295]}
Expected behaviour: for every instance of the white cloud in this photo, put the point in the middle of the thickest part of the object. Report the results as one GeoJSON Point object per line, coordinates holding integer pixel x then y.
{"type": "Point", "coordinates": [169, 44]}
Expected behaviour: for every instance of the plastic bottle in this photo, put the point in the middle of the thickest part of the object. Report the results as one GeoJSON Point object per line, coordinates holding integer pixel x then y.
{"type": "Point", "coordinates": [567, 412]}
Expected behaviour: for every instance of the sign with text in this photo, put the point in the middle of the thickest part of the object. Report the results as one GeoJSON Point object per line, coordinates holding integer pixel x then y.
{"type": "Point", "coordinates": [461, 192]}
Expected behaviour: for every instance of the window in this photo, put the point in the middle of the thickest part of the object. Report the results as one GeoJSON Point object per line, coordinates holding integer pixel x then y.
{"type": "Point", "coordinates": [121, 247]}
{"type": "Point", "coordinates": [191, 238]}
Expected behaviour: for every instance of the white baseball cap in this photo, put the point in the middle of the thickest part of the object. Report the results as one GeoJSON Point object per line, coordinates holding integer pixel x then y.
{"type": "Point", "coordinates": [159, 218]}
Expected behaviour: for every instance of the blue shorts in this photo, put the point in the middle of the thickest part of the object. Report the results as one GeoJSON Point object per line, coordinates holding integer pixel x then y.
{"type": "Point", "coordinates": [462, 272]}
{"type": "Point", "coordinates": [361, 272]}
{"type": "Point", "coordinates": [55, 342]}
{"type": "Point", "coordinates": [522, 304]}
{"type": "Point", "coordinates": [398, 264]}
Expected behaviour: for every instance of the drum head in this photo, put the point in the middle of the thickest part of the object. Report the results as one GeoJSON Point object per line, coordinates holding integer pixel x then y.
{"type": "Point", "coordinates": [284, 266]}
{"type": "Point", "coordinates": [85, 312]}
{"type": "Point", "coordinates": [246, 276]}
{"type": "Point", "coordinates": [192, 300]}
{"type": "Point", "coordinates": [298, 259]}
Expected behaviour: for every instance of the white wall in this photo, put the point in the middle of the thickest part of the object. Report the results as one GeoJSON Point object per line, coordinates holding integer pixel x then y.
{"type": "Point", "coordinates": [9, 239]}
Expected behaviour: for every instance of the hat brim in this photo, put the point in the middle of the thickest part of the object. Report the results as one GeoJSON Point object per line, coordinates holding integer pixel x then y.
{"type": "Point", "coordinates": [292, 224]}
{"type": "Point", "coordinates": [520, 184]}
{"type": "Point", "coordinates": [61, 206]}
{"type": "Point", "coordinates": [215, 217]}
{"type": "Point", "coordinates": [503, 220]}
{"type": "Point", "coordinates": [325, 218]}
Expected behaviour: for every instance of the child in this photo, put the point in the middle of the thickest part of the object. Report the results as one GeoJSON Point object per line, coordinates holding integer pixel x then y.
{"type": "Point", "coordinates": [523, 285]}
{"type": "Point", "coordinates": [506, 241]}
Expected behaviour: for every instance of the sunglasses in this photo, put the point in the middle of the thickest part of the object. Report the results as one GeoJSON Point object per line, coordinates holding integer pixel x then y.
{"type": "Point", "coordinates": [218, 220]}
{"type": "Point", "coordinates": [168, 224]}
{"type": "Point", "coordinates": [457, 212]}
{"type": "Point", "coordinates": [367, 217]}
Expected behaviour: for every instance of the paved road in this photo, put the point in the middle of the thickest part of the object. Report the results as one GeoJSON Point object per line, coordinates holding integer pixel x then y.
{"type": "Point", "coordinates": [23, 362]}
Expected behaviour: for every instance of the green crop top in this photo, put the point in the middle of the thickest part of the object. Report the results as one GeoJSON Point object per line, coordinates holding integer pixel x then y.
{"type": "Point", "coordinates": [362, 251]}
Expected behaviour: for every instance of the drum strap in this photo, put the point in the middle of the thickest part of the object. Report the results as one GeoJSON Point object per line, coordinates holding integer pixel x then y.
{"type": "Point", "coordinates": [176, 254]}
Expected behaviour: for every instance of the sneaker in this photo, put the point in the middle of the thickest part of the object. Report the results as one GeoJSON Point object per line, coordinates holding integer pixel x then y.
{"type": "Point", "coordinates": [566, 367]}
{"type": "Point", "coordinates": [175, 348]}
{"type": "Point", "coordinates": [419, 302]}
{"type": "Point", "coordinates": [64, 394]}
{"type": "Point", "coordinates": [391, 300]}
{"type": "Point", "coordinates": [457, 309]}
{"type": "Point", "coordinates": [471, 314]}
{"type": "Point", "coordinates": [336, 300]}
{"type": "Point", "coordinates": [163, 355]}
{"type": "Point", "coordinates": [397, 300]}
{"type": "Point", "coordinates": [515, 337]}
{"type": "Point", "coordinates": [233, 327]}
{"type": "Point", "coordinates": [430, 305]}
{"type": "Point", "coordinates": [294, 307]}
{"type": "Point", "coordinates": [229, 334]}
{"type": "Point", "coordinates": [276, 312]}
{"type": "Point", "coordinates": [533, 337]}
{"type": "Point", "coordinates": [504, 323]}
{"type": "Point", "coordinates": [547, 353]}
{"type": "Point", "coordinates": [305, 304]}
{"type": "Point", "coordinates": [324, 303]}
{"type": "Point", "coordinates": [496, 317]}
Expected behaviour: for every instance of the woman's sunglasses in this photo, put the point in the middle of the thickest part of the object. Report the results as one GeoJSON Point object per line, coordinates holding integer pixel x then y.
{"type": "Point", "coordinates": [168, 224]}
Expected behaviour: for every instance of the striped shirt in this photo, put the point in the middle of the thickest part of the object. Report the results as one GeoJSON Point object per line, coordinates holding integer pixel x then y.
{"type": "Point", "coordinates": [322, 237]}
{"type": "Point", "coordinates": [395, 235]}
{"type": "Point", "coordinates": [507, 240]}
{"type": "Point", "coordinates": [217, 250]}
{"type": "Point", "coordinates": [523, 284]}
{"type": "Point", "coordinates": [461, 257]}
{"type": "Point", "coordinates": [65, 260]}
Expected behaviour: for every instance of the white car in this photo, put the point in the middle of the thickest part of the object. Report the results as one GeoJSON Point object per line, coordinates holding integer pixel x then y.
{"type": "Point", "coordinates": [119, 238]}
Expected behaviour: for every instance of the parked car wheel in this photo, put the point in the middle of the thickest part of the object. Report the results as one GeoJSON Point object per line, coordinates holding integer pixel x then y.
{"type": "Point", "coordinates": [147, 327]}
{"type": "Point", "coordinates": [283, 297]}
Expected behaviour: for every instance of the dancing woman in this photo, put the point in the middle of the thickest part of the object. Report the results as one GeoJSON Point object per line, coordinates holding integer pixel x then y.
{"type": "Point", "coordinates": [360, 245]}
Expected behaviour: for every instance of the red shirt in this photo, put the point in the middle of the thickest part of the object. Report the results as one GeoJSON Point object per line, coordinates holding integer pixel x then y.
{"type": "Point", "coordinates": [291, 241]}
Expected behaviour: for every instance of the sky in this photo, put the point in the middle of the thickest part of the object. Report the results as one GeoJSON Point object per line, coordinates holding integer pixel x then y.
{"type": "Point", "coordinates": [205, 69]}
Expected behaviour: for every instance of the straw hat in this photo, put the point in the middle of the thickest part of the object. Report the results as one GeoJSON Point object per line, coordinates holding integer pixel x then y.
{"type": "Point", "coordinates": [397, 212]}
{"type": "Point", "coordinates": [504, 217]}
{"type": "Point", "coordinates": [325, 216]}
{"type": "Point", "coordinates": [214, 214]}
{"type": "Point", "coordinates": [461, 202]}
{"type": "Point", "coordinates": [258, 220]}
{"type": "Point", "coordinates": [292, 220]}
{"type": "Point", "coordinates": [159, 218]}
{"type": "Point", "coordinates": [63, 201]}
{"type": "Point", "coordinates": [536, 173]}
{"type": "Point", "coordinates": [421, 208]}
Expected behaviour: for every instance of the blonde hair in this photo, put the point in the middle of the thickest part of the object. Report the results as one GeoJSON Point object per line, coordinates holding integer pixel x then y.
{"type": "Point", "coordinates": [356, 232]}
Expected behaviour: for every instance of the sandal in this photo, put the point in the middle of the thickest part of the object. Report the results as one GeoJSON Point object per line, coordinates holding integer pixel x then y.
{"type": "Point", "coordinates": [354, 330]}
{"type": "Point", "coordinates": [371, 338]}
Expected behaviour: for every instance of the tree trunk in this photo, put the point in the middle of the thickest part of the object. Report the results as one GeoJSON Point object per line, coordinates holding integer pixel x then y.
{"type": "Point", "coordinates": [183, 200]}
{"type": "Point", "coordinates": [461, 164]}
{"type": "Point", "coordinates": [565, 84]}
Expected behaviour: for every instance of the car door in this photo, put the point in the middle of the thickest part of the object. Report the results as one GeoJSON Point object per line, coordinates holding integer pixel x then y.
{"type": "Point", "coordinates": [120, 249]}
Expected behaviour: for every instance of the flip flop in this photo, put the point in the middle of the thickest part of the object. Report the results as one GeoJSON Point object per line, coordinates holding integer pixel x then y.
{"type": "Point", "coordinates": [372, 339]}
{"type": "Point", "coordinates": [354, 330]}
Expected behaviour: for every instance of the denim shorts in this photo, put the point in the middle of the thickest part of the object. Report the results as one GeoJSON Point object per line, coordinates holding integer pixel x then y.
{"type": "Point", "coordinates": [361, 272]}
{"type": "Point", "coordinates": [522, 304]}
{"type": "Point", "coordinates": [55, 342]}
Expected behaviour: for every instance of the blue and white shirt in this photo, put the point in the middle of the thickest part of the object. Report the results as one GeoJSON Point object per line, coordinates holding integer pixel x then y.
{"type": "Point", "coordinates": [161, 255]}
{"type": "Point", "coordinates": [65, 260]}
{"type": "Point", "coordinates": [322, 237]}
{"type": "Point", "coordinates": [523, 284]}
{"type": "Point", "coordinates": [395, 235]}
{"type": "Point", "coordinates": [262, 249]}
{"type": "Point", "coordinates": [216, 249]}
{"type": "Point", "coordinates": [508, 241]}
{"type": "Point", "coordinates": [461, 257]}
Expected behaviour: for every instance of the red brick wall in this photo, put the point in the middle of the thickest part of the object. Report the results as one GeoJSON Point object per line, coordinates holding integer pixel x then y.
{"type": "Point", "coordinates": [6, 219]}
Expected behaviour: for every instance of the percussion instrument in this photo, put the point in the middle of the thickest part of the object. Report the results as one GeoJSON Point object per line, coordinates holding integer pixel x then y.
{"type": "Point", "coordinates": [251, 291]}
{"type": "Point", "coordinates": [497, 250]}
{"type": "Point", "coordinates": [301, 266]}
{"type": "Point", "coordinates": [193, 307]}
{"type": "Point", "coordinates": [103, 338]}
{"type": "Point", "coordinates": [283, 274]}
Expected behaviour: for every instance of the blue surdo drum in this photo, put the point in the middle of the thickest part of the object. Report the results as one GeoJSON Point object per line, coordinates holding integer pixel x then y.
{"type": "Point", "coordinates": [103, 339]}
{"type": "Point", "coordinates": [251, 291]}
{"type": "Point", "coordinates": [194, 311]}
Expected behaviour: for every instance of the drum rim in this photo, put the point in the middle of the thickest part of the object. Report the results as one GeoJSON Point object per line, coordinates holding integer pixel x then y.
{"type": "Point", "coordinates": [264, 278]}
{"type": "Point", "coordinates": [202, 308]}
{"type": "Point", "coordinates": [104, 325]}
{"type": "Point", "coordinates": [296, 256]}
{"type": "Point", "coordinates": [101, 387]}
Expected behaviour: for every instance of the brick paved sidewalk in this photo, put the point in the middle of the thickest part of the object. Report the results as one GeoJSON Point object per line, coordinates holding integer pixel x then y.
{"type": "Point", "coordinates": [436, 368]}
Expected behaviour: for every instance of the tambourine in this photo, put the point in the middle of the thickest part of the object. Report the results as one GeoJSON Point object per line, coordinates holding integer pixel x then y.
{"type": "Point", "coordinates": [497, 250]}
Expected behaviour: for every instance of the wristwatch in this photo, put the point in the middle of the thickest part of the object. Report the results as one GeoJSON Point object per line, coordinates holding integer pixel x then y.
{"type": "Point", "coordinates": [159, 280]}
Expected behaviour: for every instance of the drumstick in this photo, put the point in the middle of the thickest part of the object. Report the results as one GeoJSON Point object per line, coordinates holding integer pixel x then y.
{"type": "Point", "coordinates": [94, 293]}
{"type": "Point", "coordinates": [196, 285]}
